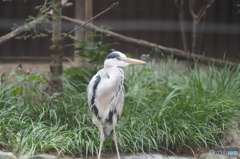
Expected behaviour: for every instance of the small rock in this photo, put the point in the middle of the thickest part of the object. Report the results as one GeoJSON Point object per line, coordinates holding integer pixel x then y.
{"type": "Point", "coordinates": [153, 156]}
{"type": "Point", "coordinates": [211, 156]}
{"type": "Point", "coordinates": [176, 157]}
{"type": "Point", "coordinates": [42, 156]}
{"type": "Point", "coordinates": [232, 138]}
{"type": "Point", "coordinates": [7, 155]}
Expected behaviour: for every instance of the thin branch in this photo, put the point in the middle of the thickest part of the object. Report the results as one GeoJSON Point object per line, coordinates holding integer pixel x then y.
{"type": "Point", "coordinates": [143, 43]}
{"type": "Point", "coordinates": [197, 18]}
{"type": "Point", "coordinates": [201, 34]}
{"type": "Point", "coordinates": [179, 7]}
{"type": "Point", "coordinates": [21, 29]}
{"type": "Point", "coordinates": [65, 3]}
{"type": "Point", "coordinates": [209, 4]}
{"type": "Point", "coordinates": [194, 16]}
{"type": "Point", "coordinates": [201, 11]}
{"type": "Point", "coordinates": [111, 7]}
{"type": "Point", "coordinates": [27, 26]}
{"type": "Point", "coordinates": [204, 9]}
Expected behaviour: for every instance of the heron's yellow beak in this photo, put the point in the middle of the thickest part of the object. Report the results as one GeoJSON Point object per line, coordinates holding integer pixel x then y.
{"type": "Point", "coordinates": [134, 61]}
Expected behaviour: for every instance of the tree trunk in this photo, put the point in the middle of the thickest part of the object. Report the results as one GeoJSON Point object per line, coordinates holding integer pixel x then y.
{"type": "Point", "coordinates": [79, 34]}
{"type": "Point", "coordinates": [56, 68]}
{"type": "Point", "coordinates": [83, 11]}
{"type": "Point", "coordinates": [194, 37]}
{"type": "Point", "coordinates": [88, 15]}
{"type": "Point", "coordinates": [180, 8]}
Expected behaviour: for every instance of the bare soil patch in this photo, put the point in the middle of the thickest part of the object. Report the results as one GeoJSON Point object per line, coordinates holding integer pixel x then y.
{"type": "Point", "coordinates": [29, 66]}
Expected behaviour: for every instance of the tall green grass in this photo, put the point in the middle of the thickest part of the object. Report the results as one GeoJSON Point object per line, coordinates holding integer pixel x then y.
{"type": "Point", "coordinates": [166, 107]}
{"type": "Point", "coordinates": [176, 108]}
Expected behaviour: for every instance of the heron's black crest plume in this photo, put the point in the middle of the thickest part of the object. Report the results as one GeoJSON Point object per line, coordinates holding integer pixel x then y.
{"type": "Point", "coordinates": [112, 55]}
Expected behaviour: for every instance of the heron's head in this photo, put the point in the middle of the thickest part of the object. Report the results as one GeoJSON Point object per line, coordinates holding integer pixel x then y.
{"type": "Point", "coordinates": [117, 58]}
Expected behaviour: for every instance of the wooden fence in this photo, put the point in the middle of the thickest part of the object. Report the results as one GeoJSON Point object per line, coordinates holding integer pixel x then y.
{"type": "Point", "coordinates": [153, 20]}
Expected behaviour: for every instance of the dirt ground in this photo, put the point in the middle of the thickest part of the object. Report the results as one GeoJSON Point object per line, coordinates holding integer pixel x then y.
{"type": "Point", "coordinates": [29, 66]}
{"type": "Point", "coordinates": [37, 66]}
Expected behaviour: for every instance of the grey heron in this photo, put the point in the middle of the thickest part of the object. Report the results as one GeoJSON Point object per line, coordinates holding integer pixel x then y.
{"type": "Point", "coordinates": [106, 95]}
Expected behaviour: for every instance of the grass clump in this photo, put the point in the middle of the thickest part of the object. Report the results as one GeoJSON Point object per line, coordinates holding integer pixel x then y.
{"type": "Point", "coordinates": [166, 108]}
{"type": "Point", "coordinates": [175, 108]}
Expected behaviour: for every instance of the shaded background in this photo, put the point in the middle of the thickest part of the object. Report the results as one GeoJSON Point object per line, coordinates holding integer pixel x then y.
{"type": "Point", "coordinates": [155, 21]}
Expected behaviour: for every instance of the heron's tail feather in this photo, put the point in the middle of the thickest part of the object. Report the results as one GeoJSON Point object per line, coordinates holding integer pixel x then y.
{"type": "Point", "coordinates": [107, 130]}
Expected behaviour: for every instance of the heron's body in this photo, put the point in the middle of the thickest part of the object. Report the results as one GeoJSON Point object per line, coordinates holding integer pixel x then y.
{"type": "Point", "coordinates": [106, 95]}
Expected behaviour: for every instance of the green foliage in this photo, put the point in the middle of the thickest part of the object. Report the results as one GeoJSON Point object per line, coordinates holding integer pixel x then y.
{"type": "Point", "coordinates": [166, 107]}
{"type": "Point", "coordinates": [41, 17]}
{"type": "Point", "coordinates": [78, 77]}
{"type": "Point", "coordinates": [93, 51]}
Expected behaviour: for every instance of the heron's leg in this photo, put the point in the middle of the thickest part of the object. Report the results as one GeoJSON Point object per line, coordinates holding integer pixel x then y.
{"type": "Point", "coordinates": [115, 140]}
{"type": "Point", "coordinates": [102, 138]}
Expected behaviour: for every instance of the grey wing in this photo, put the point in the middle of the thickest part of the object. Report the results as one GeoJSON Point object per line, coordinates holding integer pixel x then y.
{"type": "Point", "coordinates": [91, 91]}
{"type": "Point", "coordinates": [119, 102]}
